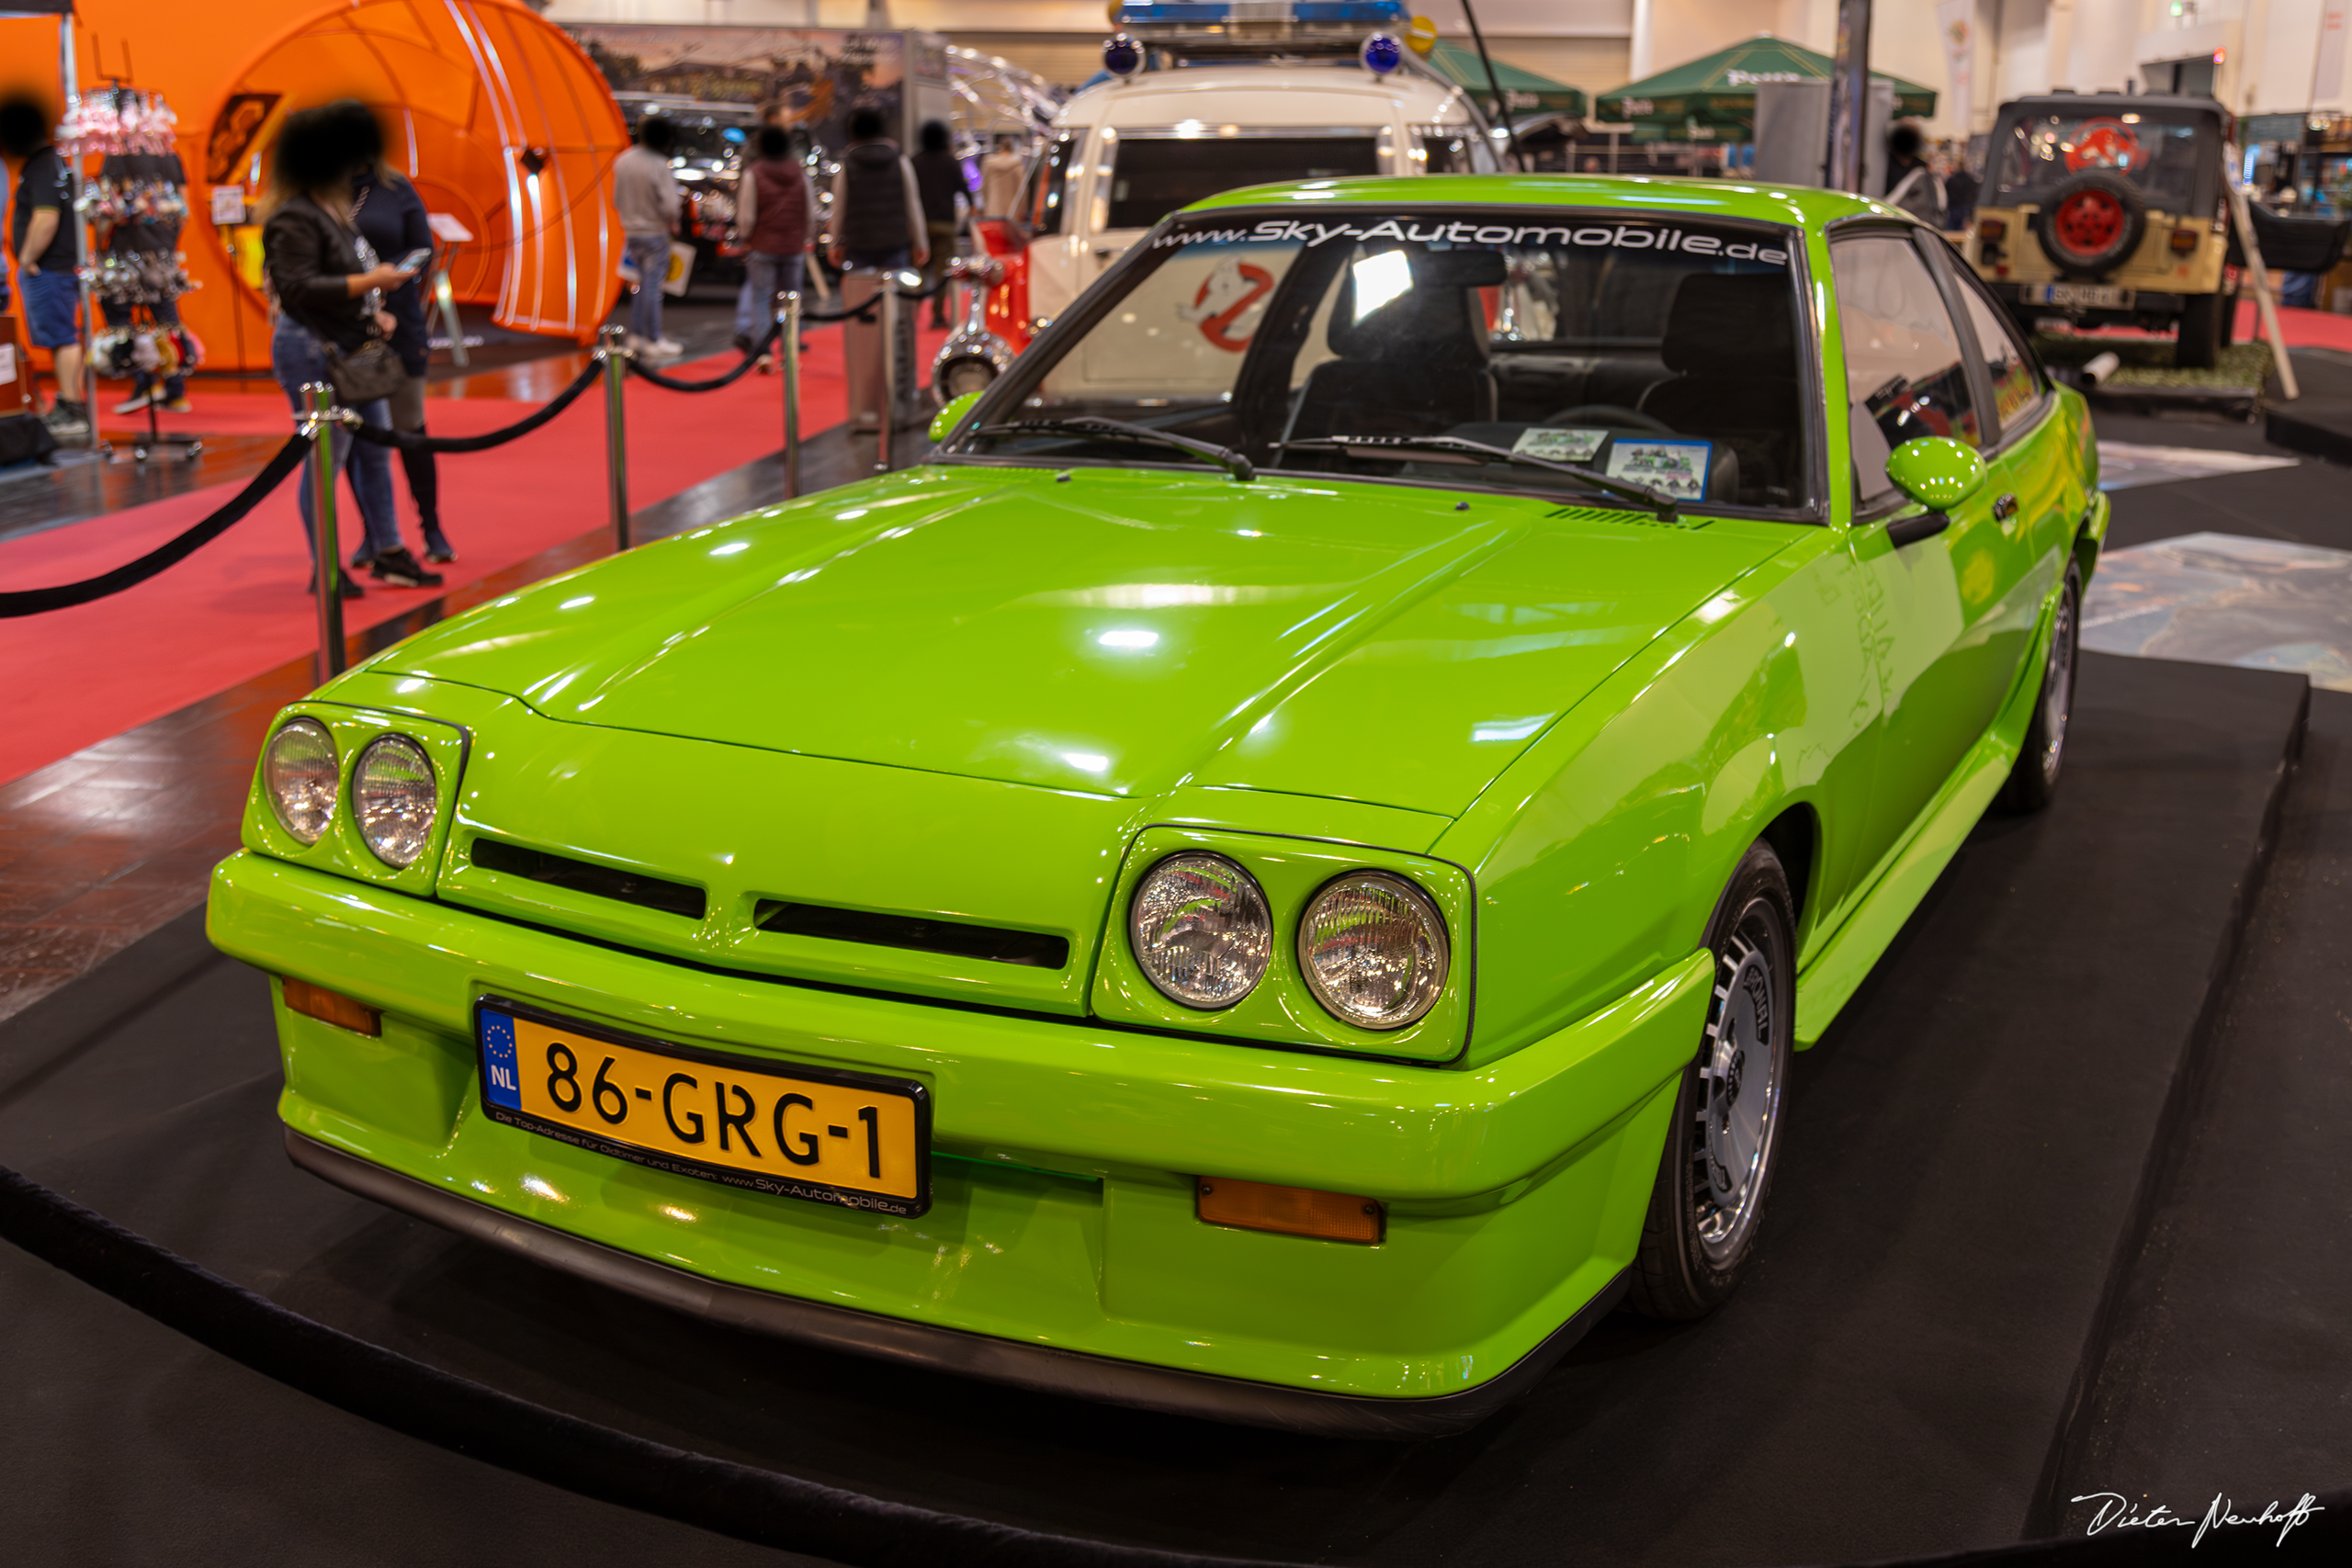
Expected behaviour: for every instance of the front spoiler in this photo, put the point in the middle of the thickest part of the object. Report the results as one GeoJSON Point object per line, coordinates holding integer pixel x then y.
{"type": "Point", "coordinates": [1099, 1378]}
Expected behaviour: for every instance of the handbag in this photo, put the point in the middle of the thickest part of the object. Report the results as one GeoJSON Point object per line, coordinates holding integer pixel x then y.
{"type": "Point", "coordinates": [365, 374]}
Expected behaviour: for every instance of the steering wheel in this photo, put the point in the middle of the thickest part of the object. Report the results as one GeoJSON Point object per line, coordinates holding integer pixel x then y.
{"type": "Point", "coordinates": [1616, 414]}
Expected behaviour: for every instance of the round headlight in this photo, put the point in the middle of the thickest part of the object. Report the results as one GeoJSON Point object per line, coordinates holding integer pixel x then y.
{"type": "Point", "coordinates": [1201, 930]}
{"type": "Point", "coordinates": [298, 772]}
{"type": "Point", "coordinates": [1373, 950]}
{"type": "Point", "coordinates": [391, 796]}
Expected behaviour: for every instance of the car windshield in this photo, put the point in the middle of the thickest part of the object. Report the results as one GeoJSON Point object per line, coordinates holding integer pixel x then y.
{"type": "Point", "coordinates": [2157, 151]}
{"type": "Point", "coordinates": [1653, 351]}
{"type": "Point", "coordinates": [1151, 176]}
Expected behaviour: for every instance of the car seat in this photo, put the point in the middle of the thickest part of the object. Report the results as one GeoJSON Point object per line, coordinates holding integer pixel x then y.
{"type": "Point", "coordinates": [1731, 341]}
{"type": "Point", "coordinates": [1416, 365]}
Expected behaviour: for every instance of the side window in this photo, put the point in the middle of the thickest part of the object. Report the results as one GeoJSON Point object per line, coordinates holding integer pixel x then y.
{"type": "Point", "coordinates": [1045, 194]}
{"type": "Point", "coordinates": [1905, 376]}
{"type": "Point", "coordinates": [2016, 386]}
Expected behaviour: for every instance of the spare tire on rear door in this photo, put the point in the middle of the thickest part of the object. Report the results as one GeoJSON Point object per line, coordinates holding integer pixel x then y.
{"type": "Point", "coordinates": [2092, 224]}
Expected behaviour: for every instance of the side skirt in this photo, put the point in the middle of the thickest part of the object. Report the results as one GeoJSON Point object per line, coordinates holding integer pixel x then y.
{"type": "Point", "coordinates": [952, 1350]}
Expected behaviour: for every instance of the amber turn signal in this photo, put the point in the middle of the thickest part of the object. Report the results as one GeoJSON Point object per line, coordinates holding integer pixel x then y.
{"type": "Point", "coordinates": [1991, 228]}
{"type": "Point", "coordinates": [2184, 239]}
{"type": "Point", "coordinates": [331, 1007]}
{"type": "Point", "coordinates": [1294, 1211]}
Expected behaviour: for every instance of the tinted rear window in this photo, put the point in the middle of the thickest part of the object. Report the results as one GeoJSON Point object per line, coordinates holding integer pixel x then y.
{"type": "Point", "coordinates": [1154, 176]}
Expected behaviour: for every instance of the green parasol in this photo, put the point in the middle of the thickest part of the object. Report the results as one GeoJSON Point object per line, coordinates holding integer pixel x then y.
{"type": "Point", "coordinates": [1713, 99]}
{"type": "Point", "coordinates": [1522, 90]}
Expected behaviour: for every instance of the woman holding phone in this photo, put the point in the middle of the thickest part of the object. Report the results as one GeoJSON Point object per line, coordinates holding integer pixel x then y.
{"type": "Point", "coordinates": [328, 286]}
{"type": "Point", "coordinates": [393, 219]}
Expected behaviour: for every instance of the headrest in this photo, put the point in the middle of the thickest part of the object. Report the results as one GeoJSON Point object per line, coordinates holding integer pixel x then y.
{"type": "Point", "coordinates": [1731, 324]}
{"type": "Point", "coordinates": [1435, 317]}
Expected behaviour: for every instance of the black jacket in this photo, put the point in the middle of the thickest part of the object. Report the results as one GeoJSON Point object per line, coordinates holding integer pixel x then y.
{"type": "Point", "coordinates": [306, 255]}
{"type": "Point", "coordinates": [393, 220]}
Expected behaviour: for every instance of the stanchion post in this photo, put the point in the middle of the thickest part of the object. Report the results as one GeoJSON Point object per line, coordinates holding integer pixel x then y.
{"type": "Point", "coordinates": [319, 425]}
{"type": "Point", "coordinates": [787, 353]}
{"type": "Point", "coordinates": [612, 347]}
{"type": "Point", "coordinates": [889, 373]}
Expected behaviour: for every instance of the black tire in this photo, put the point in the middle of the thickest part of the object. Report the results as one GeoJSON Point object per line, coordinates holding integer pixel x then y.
{"type": "Point", "coordinates": [2200, 331]}
{"type": "Point", "coordinates": [2106, 247]}
{"type": "Point", "coordinates": [2034, 779]}
{"type": "Point", "coordinates": [1695, 1249]}
{"type": "Point", "coordinates": [2228, 330]}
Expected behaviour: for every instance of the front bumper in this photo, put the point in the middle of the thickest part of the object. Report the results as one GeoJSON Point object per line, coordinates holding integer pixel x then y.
{"type": "Point", "coordinates": [1061, 1250]}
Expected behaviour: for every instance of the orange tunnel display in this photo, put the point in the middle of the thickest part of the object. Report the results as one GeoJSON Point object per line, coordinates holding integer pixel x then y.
{"type": "Point", "coordinates": [502, 121]}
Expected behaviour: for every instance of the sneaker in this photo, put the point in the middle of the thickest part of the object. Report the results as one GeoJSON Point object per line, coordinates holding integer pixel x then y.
{"type": "Point", "coordinates": [668, 346]}
{"type": "Point", "coordinates": [67, 422]}
{"type": "Point", "coordinates": [136, 401]}
{"type": "Point", "coordinates": [398, 569]}
{"type": "Point", "coordinates": [178, 405]}
{"type": "Point", "coordinates": [438, 548]}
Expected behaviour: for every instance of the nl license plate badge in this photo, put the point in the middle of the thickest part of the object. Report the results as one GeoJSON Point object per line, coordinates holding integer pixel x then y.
{"type": "Point", "coordinates": [2084, 295]}
{"type": "Point", "coordinates": [854, 1139]}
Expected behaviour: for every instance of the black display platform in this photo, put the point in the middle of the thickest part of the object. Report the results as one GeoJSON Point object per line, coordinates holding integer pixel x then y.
{"type": "Point", "coordinates": [1951, 1264]}
{"type": "Point", "coordinates": [2319, 420]}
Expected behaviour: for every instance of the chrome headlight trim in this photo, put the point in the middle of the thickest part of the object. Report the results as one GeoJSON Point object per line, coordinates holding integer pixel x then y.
{"type": "Point", "coordinates": [1207, 945]}
{"type": "Point", "coordinates": [1328, 949]}
{"type": "Point", "coordinates": [394, 798]}
{"type": "Point", "coordinates": [301, 797]}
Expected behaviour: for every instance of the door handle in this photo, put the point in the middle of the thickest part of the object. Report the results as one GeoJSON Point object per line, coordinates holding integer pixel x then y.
{"type": "Point", "coordinates": [1911, 530]}
{"type": "Point", "coordinates": [2005, 508]}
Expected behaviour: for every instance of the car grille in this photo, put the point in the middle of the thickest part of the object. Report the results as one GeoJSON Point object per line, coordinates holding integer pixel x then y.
{"type": "Point", "coordinates": [584, 876]}
{"type": "Point", "coordinates": [919, 933]}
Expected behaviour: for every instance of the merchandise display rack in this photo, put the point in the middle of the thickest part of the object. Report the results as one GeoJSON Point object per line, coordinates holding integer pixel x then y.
{"type": "Point", "coordinates": [139, 196]}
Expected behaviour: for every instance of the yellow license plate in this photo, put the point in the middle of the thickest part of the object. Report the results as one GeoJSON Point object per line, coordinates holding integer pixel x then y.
{"type": "Point", "coordinates": [855, 1139]}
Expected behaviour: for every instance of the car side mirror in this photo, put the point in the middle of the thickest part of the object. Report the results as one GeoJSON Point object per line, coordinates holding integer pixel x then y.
{"type": "Point", "coordinates": [1936, 471]}
{"type": "Point", "coordinates": [951, 416]}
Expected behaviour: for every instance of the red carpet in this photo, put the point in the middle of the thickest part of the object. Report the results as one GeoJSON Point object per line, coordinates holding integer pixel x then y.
{"type": "Point", "coordinates": [239, 606]}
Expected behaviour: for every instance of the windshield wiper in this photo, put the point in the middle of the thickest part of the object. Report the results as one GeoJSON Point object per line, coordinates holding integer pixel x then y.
{"type": "Point", "coordinates": [1225, 457]}
{"type": "Point", "coordinates": [1376, 445]}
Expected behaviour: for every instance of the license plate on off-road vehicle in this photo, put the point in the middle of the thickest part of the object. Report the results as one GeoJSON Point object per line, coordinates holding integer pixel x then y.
{"type": "Point", "coordinates": [2080, 295]}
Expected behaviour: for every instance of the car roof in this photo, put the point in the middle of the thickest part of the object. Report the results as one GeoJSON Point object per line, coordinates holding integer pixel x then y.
{"type": "Point", "coordinates": [2096, 103]}
{"type": "Point", "coordinates": [1801, 205]}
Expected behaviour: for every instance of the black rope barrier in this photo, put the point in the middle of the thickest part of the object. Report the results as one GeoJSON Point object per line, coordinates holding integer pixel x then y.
{"type": "Point", "coordinates": [751, 357]}
{"type": "Point", "coordinates": [873, 307]}
{"type": "Point", "coordinates": [34, 601]}
{"type": "Point", "coordinates": [455, 1413]}
{"type": "Point", "coordinates": [417, 441]}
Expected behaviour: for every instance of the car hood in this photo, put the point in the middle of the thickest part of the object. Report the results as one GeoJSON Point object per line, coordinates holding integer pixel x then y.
{"type": "Point", "coordinates": [1112, 632]}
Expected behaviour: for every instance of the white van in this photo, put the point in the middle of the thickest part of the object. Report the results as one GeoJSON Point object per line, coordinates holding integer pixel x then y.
{"type": "Point", "coordinates": [1126, 153]}
{"type": "Point", "coordinates": [1229, 93]}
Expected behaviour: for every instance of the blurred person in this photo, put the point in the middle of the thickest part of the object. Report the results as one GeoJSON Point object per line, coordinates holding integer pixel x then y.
{"type": "Point", "coordinates": [5, 298]}
{"type": "Point", "coordinates": [776, 217]}
{"type": "Point", "coordinates": [1911, 182]}
{"type": "Point", "coordinates": [1961, 188]}
{"type": "Point", "coordinates": [328, 287]}
{"type": "Point", "coordinates": [43, 243]}
{"type": "Point", "coordinates": [650, 201]}
{"type": "Point", "coordinates": [392, 220]}
{"type": "Point", "coordinates": [878, 207]}
{"type": "Point", "coordinates": [1000, 174]}
{"type": "Point", "coordinates": [939, 181]}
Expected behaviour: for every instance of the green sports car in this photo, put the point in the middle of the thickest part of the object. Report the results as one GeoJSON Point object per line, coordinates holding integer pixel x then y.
{"type": "Point", "coordinates": [1277, 874]}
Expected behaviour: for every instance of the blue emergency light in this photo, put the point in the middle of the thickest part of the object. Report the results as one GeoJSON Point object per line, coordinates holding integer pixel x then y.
{"type": "Point", "coordinates": [1209, 13]}
{"type": "Point", "coordinates": [1382, 54]}
{"type": "Point", "coordinates": [1121, 56]}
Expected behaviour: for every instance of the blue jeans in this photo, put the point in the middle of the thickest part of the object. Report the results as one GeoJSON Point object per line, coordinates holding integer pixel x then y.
{"type": "Point", "coordinates": [765, 278]}
{"type": "Point", "coordinates": [651, 254]}
{"type": "Point", "coordinates": [52, 310]}
{"type": "Point", "coordinates": [295, 359]}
